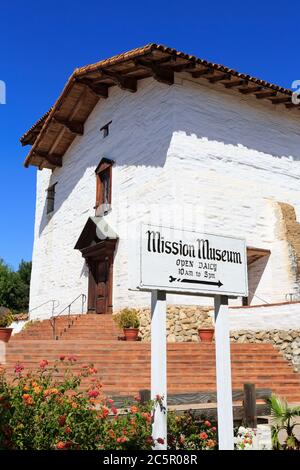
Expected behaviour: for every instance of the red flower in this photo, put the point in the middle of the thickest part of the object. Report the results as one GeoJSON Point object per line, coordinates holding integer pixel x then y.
{"type": "Point", "coordinates": [134, 409]}
{"type": "Point", "coordinates": [62, 357]}
{"type": "Point", "coordinates": [158, 397]}
{"type": "Point", "coordinates": [43, 363]}
{"type": "Point", "coordinates": [62, 420]}
{"type": "Point", "coordinates": [137, 398]}
{"type": "Point", "coordinates": [203, 435]}
{"type": "Point", "coordinates": [18, 368]}
{"type": "Point", "coordinates": [60, 445]}
{"type": "Point", "coordinates": [67, 430]}
{"type": "Point", "coordinates": [110, 401]}
{"type": "Point", "coordinates": [207, 423]}
{"type": "Point", "coordinates": [122, 439]}
{"type": "Point", "coordinates": [105, 412]}
{"type": "Point", "coordinates": [93, 393]}
{"type": "Point", "coordinates": [160, 440]}
{"type": "Point", "coordinates": [114, 410]}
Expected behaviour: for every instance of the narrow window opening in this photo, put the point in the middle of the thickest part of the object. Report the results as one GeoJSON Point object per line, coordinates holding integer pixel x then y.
{"type": "Point", "coordinates": [103, 187]}
{"type": "Point", "coordinates": [50, 198]}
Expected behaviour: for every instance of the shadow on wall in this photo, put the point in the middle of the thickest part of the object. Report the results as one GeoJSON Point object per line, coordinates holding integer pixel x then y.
{"type": "Point", "coordinates": [236, 120]}
{"type": "Point", "coordinates": [201, 115]}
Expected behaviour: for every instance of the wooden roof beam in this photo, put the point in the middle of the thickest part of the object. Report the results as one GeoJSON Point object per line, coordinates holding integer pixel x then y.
{"type": "Point", "coordinates": [75, 127]}
{"type": "Point", "coordinates": [161, 74]}
{"type": "Point", "coordinates": [218, 78]}
{"type": "Point", "coordinates": [234, 83]}
{"type": "Point", "coordinates": [125, 83]}
{"type": "Point", "coordinates": [54, 159]}
{"type": "Point", "coordinates": [281, 99]}
{"type": "Point", "coordinates": [201, 73]}
{"type": "Point", "coordinates": [291, 105]}
{"type": "Point", "coordinates": [265, 94]}
{"type": "Point", "coordinates": [98, 89]}
{"type": "Point", "coordinates": [249, 90]}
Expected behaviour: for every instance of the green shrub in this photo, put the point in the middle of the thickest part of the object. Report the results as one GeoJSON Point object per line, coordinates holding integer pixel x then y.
{"type": "Point", "coordinates": [38, 412]}
{"type": "Point", "coordinates": [127, 318]}
{"type": "Point", "coordinates": [284, 418]}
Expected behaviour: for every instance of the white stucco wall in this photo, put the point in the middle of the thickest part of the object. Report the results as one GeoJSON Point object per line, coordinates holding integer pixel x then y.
{"type": "Point", "coordinates": [268, 317]}
{"type": "Point", "coordinates": [189, 154]}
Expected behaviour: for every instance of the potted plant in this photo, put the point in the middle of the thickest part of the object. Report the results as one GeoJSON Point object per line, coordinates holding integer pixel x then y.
{"type": "Point", "coordinates": [206, 331]}
{"type": "Point", "coordinates": [6, 319]}
{"type": "Point", "coordinates": [128, 320]}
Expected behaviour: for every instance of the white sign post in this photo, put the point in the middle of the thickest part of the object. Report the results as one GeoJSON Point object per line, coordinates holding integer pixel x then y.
{"type": "Point", "coordinates": [223, 374]}
{"type": "Point", "coordinates": [185, 262]}
{"type": "Point", "coordinates": [159, 367]}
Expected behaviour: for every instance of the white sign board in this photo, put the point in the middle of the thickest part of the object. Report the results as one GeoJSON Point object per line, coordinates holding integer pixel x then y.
{"type": "Point", "coordinates": [184, 261]}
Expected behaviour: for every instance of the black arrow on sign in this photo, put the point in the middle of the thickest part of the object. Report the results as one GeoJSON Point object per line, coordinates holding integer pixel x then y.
{"type": "Point", "coordinates": [210, 283]}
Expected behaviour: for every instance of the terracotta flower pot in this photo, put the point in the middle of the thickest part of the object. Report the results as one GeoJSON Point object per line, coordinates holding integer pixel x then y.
{"type": "Point", "coordinates": [206, 335]}
{"type": "Point", "coordinates": [5, 334]}
{"type": "Point", "coordinates": [131, 334]}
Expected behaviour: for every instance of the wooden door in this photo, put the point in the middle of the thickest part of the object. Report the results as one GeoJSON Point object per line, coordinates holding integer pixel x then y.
{"type": "Point", "coordinates": [102, 286]}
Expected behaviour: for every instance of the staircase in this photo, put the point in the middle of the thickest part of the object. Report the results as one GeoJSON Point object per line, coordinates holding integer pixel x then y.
{"type": "Point", "coordinates": [124, 367]}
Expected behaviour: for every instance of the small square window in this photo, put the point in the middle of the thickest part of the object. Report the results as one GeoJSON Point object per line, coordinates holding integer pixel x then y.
{"type": "Point", "coordinates": [105, 129]}
{"type": "Point", "coordinates": [50, 198]}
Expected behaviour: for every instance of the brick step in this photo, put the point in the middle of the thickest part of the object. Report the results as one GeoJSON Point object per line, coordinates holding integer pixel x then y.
{"type": "Point", "coordinates": [173, 369]}
{"type": "Point", "coordinates": [139, 366]}
{"type": "Point", "coordinates": [135, 346]}
{"type": "Point", "coordinates": [192, 380]}
{"type": "Point", "coordinates": [115, 358]}
{"type": "Point", "coordinates": [197, 357]}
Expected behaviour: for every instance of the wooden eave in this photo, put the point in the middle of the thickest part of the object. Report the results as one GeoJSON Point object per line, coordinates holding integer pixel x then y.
{"type": "Point", "coordinates": [52, 135]}
{"type": "Point", "coordinates": [254, 254]}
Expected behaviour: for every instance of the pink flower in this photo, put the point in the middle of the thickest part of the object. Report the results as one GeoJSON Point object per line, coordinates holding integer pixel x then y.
{"type": "Point", "coordinates": [122, 439]}
{"type": "Point", "coordinates": [43, 363]}
{"type": "Point", "coordinates": [160, 440]}
{"type": "Point", "coordinates": [110, 401]}
{"type": "Point", "coordinates": [137, 398]}
{"type": "Point", "coordinates": [203, 435]}
{"type": "Point", "coordinates": [207, 423]}
{"type": "Point", "coordinates": [114, 410]}
{"type": "Point", "coordinates": [93, 393]}
{"type": "Point", "coordinates": [18, 368]}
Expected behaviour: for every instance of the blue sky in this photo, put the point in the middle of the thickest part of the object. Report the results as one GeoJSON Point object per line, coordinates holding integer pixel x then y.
{"type": "Point", "coordinates": [41, 43]}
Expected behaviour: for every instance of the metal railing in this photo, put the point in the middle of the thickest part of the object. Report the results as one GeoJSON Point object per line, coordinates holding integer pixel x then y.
{"type": "Point", "coordinates": [53, 319]}
{"type": "Point", "coordinates": [45, 303]}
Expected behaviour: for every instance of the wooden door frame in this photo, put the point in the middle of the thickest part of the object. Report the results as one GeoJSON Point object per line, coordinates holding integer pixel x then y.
{"type": "Point", "coordinates": [103, 251]}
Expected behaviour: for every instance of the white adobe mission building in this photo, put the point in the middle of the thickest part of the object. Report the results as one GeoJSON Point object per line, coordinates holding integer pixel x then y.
{"type": "Point", "coordinates": [159, 136]}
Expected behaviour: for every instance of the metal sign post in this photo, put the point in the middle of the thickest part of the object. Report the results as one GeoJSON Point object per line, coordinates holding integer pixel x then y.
{"type": "Point", "coordinates": [159, 367]}
{"type": "Point", "coordinates": [223, 374]}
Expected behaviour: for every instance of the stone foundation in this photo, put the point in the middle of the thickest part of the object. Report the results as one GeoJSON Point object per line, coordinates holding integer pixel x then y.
{"type": "Point", "coordinates": [287, 341]}
{"type": "Point", "coordinates": [182, 322]}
